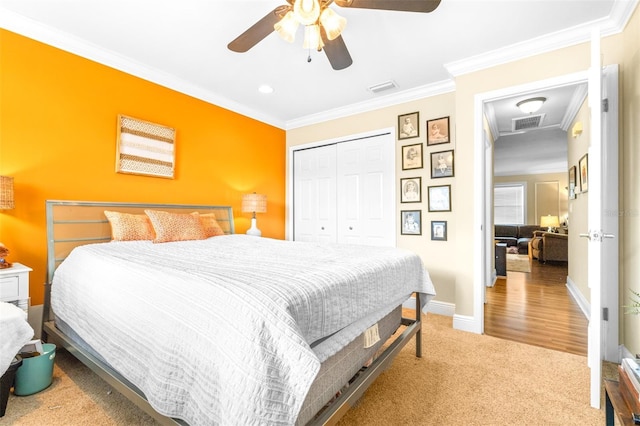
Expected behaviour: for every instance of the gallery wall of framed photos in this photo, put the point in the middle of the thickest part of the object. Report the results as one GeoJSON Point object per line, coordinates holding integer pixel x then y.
{"type": "Point", "coordinates": [426, 181]}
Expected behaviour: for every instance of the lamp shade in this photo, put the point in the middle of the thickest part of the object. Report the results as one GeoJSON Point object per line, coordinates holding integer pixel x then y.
{"type": "Point", "coordinates": [549, 221]}
{"type": "Point", "coordinates": [6, 193]}
{"type": "Point", "coordinates": [254, 203]}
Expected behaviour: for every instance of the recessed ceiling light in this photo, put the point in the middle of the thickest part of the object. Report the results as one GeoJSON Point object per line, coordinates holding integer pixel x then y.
{"type": "Point", "coordinates": [265, 88]}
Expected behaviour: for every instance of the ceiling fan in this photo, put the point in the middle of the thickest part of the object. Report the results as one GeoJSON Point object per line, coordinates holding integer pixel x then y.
{"type": "Point", "coordinates": [323, 27]}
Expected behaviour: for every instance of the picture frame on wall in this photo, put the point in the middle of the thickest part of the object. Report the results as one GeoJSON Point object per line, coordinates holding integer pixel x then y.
{"type": "Point", "coordinates": [412, 157]}
{"type": "Point", "coordinates": [145, 148]}
{"type": "Point", "coordinates": [583, 167]}
{"type": "Point", "coordinates": [439, 198]}
{"type": "Point", "coordinates": [411, 222]}
{"type": "Point", "coordinates": [411, 190]}
{"type": "Point", "coordinates": [442, 164]}
{"type": "Point", "coordinates": [572, 182]}
{"type": "Point", "coordinates": [439, 230]}
{"type": "Point", "coordinates": [438, 131]}
{"type": "Point", "coordinates": [409, 125]}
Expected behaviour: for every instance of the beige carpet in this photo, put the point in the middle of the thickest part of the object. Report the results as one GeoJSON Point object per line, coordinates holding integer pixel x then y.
{"type": "Point", "coordinates": [463, 378]}
{"type": "Point", "coordinates": [518, 262]}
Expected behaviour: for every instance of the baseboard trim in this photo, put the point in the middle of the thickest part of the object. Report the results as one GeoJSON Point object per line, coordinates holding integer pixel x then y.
{"type": "Point", "coordinates": [434, 306]}
{"type": "Point", "coordinates": [441, 308]}
{"type": "Point", "coordinates": [460, 322]}
{"type": "Point", "coordinates": [466, 323]}
{"type": "Point", "coordinates": [577, 295]}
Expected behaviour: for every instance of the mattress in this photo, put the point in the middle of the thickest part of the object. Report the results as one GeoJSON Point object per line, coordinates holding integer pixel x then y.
{"type": "Point", "coordinates": [245, 313]}
{"type": "Point", "coordinates": [334, 374]}
{"type": "Point", "coordinates": [342, 366]}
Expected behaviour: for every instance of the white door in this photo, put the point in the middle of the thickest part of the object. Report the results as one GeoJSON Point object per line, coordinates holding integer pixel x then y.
{"type": "Point", "coordinates": [344, 190]}
{"type": "Point", "coordinates": [366, 191]}
{"type": "Point", "coordinates": [314, 188]}
{"type": "Point", "coordinates": [602, 181]}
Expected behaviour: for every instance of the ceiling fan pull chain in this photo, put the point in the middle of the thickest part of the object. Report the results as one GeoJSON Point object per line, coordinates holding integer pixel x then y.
{"type": "Point", "coordinates": [309, 54]}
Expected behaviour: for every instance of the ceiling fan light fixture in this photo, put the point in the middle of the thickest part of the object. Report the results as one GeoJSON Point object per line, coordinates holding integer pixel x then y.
{"type": "Point", "coordinates": [312, 39]}
{"type": "Point", "coordinates": [332, 23]}
{"type": "Point", "coordinates": [307, 11]}
{"type": "Point", "coordinates": [287, 27]}
{"type": "Point", "coordinates": [529, 106]}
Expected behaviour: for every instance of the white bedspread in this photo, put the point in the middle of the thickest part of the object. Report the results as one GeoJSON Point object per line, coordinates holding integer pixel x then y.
{"type": "Point", "coordinates": [15, 332]}
{"type": "Point", "coordinates": [218, 331]}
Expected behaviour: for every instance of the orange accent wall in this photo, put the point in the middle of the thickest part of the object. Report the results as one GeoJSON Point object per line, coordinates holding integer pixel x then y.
{"type": "Point", "coordinates": [58, 116]}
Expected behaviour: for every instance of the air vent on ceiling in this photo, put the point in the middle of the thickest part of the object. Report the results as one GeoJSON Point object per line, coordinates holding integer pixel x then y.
{"type": "Point", "coordinates": [377, 88]}
{"type": "Point", "coordinates": [528, 122]}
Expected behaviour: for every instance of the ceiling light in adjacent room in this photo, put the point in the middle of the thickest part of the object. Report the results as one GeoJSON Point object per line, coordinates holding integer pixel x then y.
{"type": "Point", "coordinates": [529, 106]}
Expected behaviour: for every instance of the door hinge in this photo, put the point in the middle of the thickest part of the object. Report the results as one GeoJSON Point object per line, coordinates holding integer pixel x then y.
{"type": "Point", "coordinates": [605, 314]}
{"type": "Point", "coordinates": [605, 105]}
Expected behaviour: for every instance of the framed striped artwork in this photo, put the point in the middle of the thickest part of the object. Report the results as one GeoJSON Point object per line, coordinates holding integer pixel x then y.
{"type": "Point", "coordinates": [145, 148]}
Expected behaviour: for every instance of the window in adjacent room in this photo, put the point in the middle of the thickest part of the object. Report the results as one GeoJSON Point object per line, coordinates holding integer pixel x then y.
{"type": "Point", "coordinates": [509, 204]}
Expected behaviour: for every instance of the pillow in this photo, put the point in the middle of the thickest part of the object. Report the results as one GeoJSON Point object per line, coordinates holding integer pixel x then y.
{"type": "Point", "coordinates": [210, 225]}
{"type": "Point", "coordinates": [129, 227]}
{"type": "Point", "coordinates": [175, 226]}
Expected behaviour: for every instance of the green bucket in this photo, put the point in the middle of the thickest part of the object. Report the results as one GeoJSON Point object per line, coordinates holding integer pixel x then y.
{"type": "Point", "coordinates": [35, 373]}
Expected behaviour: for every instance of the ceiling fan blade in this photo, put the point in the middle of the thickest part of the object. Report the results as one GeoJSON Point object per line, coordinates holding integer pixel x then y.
{"type": "Point", "coordinates": [423, 6]}
{"type": "Point", "coordinates": [258, 31]}
{"type": "Point", "coordinates": [336, 52]}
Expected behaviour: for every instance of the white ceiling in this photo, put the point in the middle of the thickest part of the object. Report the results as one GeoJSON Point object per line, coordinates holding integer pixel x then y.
{"type": "Point", "coordinates": [182, 44]}
{"type": "Point", "coordinates": [540, 150]}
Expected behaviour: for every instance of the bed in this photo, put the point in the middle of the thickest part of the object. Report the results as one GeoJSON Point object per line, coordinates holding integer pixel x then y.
{"type": "Point", "coordinates": [229, 328]}
{"type": "Point", "coordinates": [16, 332]}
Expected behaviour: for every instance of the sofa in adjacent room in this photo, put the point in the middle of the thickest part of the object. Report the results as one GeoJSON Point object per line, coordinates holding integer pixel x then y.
{"type": "Point", "coordinates": [516, 236]}
{"type": "Point", "coordinates": [549, 246]}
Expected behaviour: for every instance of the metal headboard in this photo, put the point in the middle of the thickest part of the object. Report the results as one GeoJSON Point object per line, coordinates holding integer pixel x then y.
{"type": "Point", "coordinates": [75, 223]}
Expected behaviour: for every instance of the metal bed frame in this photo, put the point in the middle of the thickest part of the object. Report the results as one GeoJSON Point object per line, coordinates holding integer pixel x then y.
{"type": "Point", "coordinates": [75, 223]}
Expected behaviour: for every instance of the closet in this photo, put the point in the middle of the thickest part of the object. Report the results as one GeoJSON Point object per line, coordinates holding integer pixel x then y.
{"type": "Point", "coordinates": [345, 192]}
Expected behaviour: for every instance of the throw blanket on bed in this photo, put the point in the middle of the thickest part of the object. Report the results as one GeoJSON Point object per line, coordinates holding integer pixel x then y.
{"type": "Point", "coordinates": [15, 332]}
{"type": "Point", "coordinates": [218, 331]}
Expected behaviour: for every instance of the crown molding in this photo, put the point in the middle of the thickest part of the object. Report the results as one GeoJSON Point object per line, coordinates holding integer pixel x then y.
{"type": "Point", "coordinates": [428, 90]}
{"type": "Point", "coordinates": [29, 28]}
{"type": "Point", "coordinates": [615, 23]}
{"type": "Point", "coordinates": [577, 99]}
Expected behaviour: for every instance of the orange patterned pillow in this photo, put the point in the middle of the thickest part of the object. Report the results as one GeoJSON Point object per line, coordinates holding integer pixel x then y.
{"type": "Point", "coordinates": [175, 226]}
{"type": "Point", "coordinates": [129, 227]}
{"type": "Point", "coordinates": [210, 225]}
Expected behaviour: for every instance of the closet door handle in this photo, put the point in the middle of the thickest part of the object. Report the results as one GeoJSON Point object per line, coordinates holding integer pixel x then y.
{"type": "Point", "coordinates": [351, 228]}
{"type": "Point", "coordinates": [322, 228]}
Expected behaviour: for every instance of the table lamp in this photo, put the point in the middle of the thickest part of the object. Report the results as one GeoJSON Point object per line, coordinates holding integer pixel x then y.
{"type": "Point", "coordinates": [551, 222]}
{"type": "Point", "coordinates": [6, 203]}
{"type": "Point", "coordinates": [6, 193]}
{"type": "Point", "coordinates": [254, 203]}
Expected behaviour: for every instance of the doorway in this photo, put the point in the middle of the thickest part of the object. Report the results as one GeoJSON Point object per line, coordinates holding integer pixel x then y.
{"type": "Point", "coordinates": [529, 173]}
{"type": "Point", "coordinates": [484, 178]}
{"type": "Point", "coordinates": [603, 157]}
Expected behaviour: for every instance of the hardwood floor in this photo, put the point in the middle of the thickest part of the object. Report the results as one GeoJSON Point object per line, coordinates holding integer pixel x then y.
{"type": "Point", "coordinates": [536, 308]}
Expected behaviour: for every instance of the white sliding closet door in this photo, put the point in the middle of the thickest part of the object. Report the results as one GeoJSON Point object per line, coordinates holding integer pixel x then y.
{"type": "Point", "coordinates": [344, 192]}
{"type": "Point", "coordinates": [315, 194]}
{"type": "Point", "coordinates": [365, 191]}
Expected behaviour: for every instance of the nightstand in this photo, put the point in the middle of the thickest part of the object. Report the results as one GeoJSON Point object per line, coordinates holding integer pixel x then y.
{"type": "Point", "coordinates": [14, 285]}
